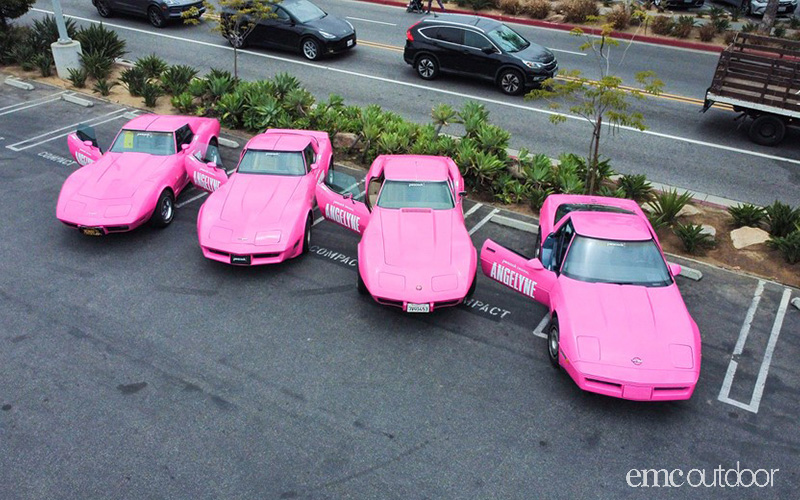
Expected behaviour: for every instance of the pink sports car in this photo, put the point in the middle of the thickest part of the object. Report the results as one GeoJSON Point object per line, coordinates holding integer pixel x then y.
{"type": "Point", "coordinates": [262, 213]}
{"type": "Point", "coordinates": [415, 252]}
{"type": "Point", "coordinates": [618, 324]}
{"type": "Point", "coordinates": [138, 178]}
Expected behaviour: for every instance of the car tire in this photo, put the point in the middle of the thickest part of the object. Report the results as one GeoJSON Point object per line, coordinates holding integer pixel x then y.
{"type": "Point", "coordinates": [472, 287]}
{"type": "Point", "coordinates": [155, 17]}
{"type": "Point", "coordinates": [362, 287]}
{"type": "Point", "coordinates": [307, 237]}
{"type": "Point", "coordinates": [553, 342]}
{"type": "Point", "coordinates": [165, 209]}
{"type": "Point", "coordinates": [310, 49]}
{"type": "Point", "coordinates": [236, 39]}
{"type": "Point", "coordinates": [103, 8]}
{"type": "Point", "coordinates": [426, 67]}
{"type": "Point", "coordinates": [511, 82]}
{"type": "Point", "coordinates": [767, 130]}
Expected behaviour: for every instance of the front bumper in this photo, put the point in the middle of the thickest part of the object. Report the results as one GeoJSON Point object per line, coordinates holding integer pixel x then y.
{"type": "Point", "coordinates": [632, 384]}
{"type": "Point", "coordinates": [341, 45]}
{"type": "Point", "coordinates": [251, 255]}
{"type": "Point", "coordinates": [176, 13]}
{"type": "Point", "coordinates": [535, 77]}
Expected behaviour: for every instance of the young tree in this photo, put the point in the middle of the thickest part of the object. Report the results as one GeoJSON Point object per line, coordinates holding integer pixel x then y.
{"type": "Point", "coordinates": [768, 21]}
{"type": "Point", "coordinates": [235, 19]}
{"type": "Point", "coordinates": [603, 102]}
{"type": "Point", "coordinates": [12, 9]}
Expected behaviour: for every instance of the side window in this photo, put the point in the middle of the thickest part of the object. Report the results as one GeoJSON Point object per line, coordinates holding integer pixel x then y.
{"type": "Point", "coordinates": [183, 136]}
{"type": "Point", "coordinates": [430, 33]}
{"type": "Point", "coordinates": [344, 184]}
{"type": "Point", "coordinates": [281, 14]}
{"type": "Point", "coordinates": [476, 40]}
{"type": "Point", "coordinates": [564, 237]}
{"type": "Point", "coordinates": [373, 190]}
{"type": "Point", "coordinates": [310, 157]}
{"type": "Point", "coordinates": [452, 35]}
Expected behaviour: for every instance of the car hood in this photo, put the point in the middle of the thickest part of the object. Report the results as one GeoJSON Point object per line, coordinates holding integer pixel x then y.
{"type": "Point", "coordinates": [332, 24]}
{"type": "Point", "coordinates": [119, 175]}
{"type": "Point", "coordinates": [252, 199]}
{"type": "Point", "coordinates": [535, 53]}
{"type": "Point", "coordinates": [416, 237]}
{"type": "Point", "coordinates": [624, 322]}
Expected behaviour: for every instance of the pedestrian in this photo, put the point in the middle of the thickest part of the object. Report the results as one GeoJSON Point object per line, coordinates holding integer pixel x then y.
{"type": "Point", "coordinates": [441, 5]}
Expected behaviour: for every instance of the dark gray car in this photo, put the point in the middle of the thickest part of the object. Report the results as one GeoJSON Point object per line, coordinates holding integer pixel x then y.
{"type": "Point", "coordinates": [158, 12]}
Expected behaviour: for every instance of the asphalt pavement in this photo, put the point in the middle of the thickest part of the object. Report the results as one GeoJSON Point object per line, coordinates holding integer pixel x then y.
{"type": "Point", "coordinates": [132, 367]}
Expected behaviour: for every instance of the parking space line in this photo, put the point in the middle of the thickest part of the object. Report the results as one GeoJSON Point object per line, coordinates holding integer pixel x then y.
{"type": "Point", "coordinates": [472, 210]}
{"type": "Point", "coordinates": [761, 381]}
{"type": "Point", "coordinates": [539, 330]}
{"type": "Point", "coordinates": [193, 198]}
{"type": "Point", "coordinates": [319, 219]}
{"type": "Point", "coordinates": [483, 221]}
{"type": "Point", "coordinates": [68, 128]}
{"type": "Point", "coordinates": [31, 104]}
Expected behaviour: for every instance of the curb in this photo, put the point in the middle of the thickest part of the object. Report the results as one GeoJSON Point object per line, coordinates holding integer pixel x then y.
{"type": "Point", "coordinates": [16, 82]}
{"type": "Point", "coordinates": [569, 27]}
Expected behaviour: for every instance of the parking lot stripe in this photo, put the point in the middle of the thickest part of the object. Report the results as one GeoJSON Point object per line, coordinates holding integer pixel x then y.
{"type": "Point", "coordinates": [725, 390]}
{"type": "Point", "coordinates": [193, 198]}
{"type": "Point", "coordinates": [539, 330]}
{"type": "Point", "coordinates": [483, 221]}
{"type": "Point", "coordinates": [319, 219]}
{"type": "Point", "coordinates": [472, 210]}
{"type": "Point", "coordinates": [30, 104]}
{"type": "Point", "coordinates": [515, 224]}
{"type": "Point", "coordinates": [761, 381]}
{"type": "Point", "coordinates": [68, 128]}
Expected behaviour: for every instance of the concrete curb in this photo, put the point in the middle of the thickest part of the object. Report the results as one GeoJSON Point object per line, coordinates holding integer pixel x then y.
{"type": "Point", "coordinates": [796, 302]}
{"type": "Point", "coordinates": [77, 100]}
{"type": "Point", "coordinates": [16, 82]}
{"type": "Point", "coordinates": [682, 44]}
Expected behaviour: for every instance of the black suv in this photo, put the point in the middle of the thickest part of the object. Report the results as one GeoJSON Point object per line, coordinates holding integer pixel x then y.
{"type": "Point", "coordinates": [158, 12]}
{"type": "Point", "coordinates": [477, 46]}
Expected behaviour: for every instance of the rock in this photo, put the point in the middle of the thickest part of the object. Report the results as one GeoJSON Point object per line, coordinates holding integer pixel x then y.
{"type": "Point", "coordinates": [648, 208]}
{"type": "Point", "coordinates": [689, 211]}
{"type": "Point", "coordinates": [516, 171]}
{"type": "Point", "coordinates": [710, 231]}
{"type": "Point", "coordinates": [748, 236]}
{"type": "Point", "coordinates": [344, 140]}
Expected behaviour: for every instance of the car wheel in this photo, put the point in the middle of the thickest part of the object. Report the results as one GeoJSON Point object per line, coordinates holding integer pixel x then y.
{"type": "Point", "coordinates": [656, 3]}
{"type": "Point", "coordinates": [511, 82]}
{"type": "Point", "coordinates": [474, 285]}
{"type": "Point", "coordinates": [155, 17]}
{"type": "Point", "coordinates": [427, 67]}
{"type": "Point", "coordinates": [103, 9]}
{"type": "Point", "coordinates": [767, 130]}
{"type": "Point", "coordinates": [553, 342]}
{"type": "Point", "coordinates": [165, 209]}
{"type": "Point", "coordinates": [236, 38]}
{"type": "Point", "coordinates": [310, 49]}
{"type": "Point", "coordinates": [307, 237]}
{"type": "Point", "coordinates": [362, 287]}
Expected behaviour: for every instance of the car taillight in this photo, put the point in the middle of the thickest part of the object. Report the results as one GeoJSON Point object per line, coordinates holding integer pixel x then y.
{"type": "Point", "coordinates": [409, 36]}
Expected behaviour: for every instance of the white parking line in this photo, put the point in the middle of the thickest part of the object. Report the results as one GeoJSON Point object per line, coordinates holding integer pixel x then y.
{"type": "Point", "coordinates": [30, 104]}
{"type": "Point", "coordinates": [472, 210]}
{"type": "Point", "coordinates": [370, 21]}
{"type": "Point", "coordinates": [319, 219]}
{"type": "Point", "coordinates": [193, 198]}
{"type": "Point", "coordinates": [69, 129]}
{"type": "Point", "coordinates": [483, 221]}
{"type": "Point", "coordinates": [428, 88]}
{"type": "Point", "coordinates": [761, 381]}
{"type": "Point", "coordinates": [539, 330]}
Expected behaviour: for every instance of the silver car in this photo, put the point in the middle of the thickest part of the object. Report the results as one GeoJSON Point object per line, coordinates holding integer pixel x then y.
{"type": "Point", "coordinates": [758, 7]}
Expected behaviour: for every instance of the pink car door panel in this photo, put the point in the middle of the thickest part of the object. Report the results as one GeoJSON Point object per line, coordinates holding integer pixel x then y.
{"type": "Point", "coordinates": [523, 275]}
{"type": "Point", "coordinates": [206, 176]}
{"type": "Point", "coordinates": [337, 200]}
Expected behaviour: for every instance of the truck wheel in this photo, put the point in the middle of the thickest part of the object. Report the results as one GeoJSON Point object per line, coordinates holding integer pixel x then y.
{"type": "Point", "coordinates": [767, 130]}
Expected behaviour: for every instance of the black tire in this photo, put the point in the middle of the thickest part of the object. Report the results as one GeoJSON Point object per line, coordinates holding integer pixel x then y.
{"type": "Point", "coordinates": [511, 82]}
{"type": "Point", "coordinates": [474, 285]}
{"type": "Point", "coordinates": [165, 209]}
{"type": "Point", "coordinates": [310, 49]}
{"type": "Point", "coordinates": [103, 8]}
{"type": "Point", "coordinates": [155, 17]}
{"type": "Point", "coordinates": [236, 39]}
{"type": "Point", "coordinates": [362, 287]}
{"type": "Point", "coordinates": [553, 340]}
{"type": "Point", "coordinates": [767, 130]}
{"type": "Point", "coordinates": [426, 67]}
{"type": "Point", "coordinates": [307, 237]}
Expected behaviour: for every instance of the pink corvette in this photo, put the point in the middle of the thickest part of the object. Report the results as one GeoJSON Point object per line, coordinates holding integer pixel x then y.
{"type": "Point", "coordinates": [262, 213]}
{"type": "Point", "coordinates": [138, 178]}
{"type": "Point", "coordinates": [415, 252]}
{"type": "Point", "coordinates": [618, 324]}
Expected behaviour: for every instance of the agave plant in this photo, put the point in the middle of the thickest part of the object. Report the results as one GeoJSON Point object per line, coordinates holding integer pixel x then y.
{"type": "Point", "coordinates": [492, 139]}
{"type": "Point", "coordinates": [443, 115]}
{"type": "Point", "coordinates": [230, 109]}
{"type": "Point", "coordinates": [261, 116]}
{"type": "Point", "coordinates": [176, 78]}
{"type": "Point", "coordinates": [44, 62]}
{"type": "Point", "coordinates": [77, 76]}
{"type": "Point", "coordinates": [788, 245]}
{"type": "Point", "coordinates": [635, 187]}
{"type": "Point", "coordinates": [44, 32]}
{"type": "Point", "coordinates": [781, 218]}
{"type": "Point", "coordinates": [152, 65]}
{"type": "Point", "coordinates": [693, 237]}
{"type": "Point", "coordinates": [283, 83]}
{"type": "Point", "coordinates": [473, 114]}
{"type": "Point", "coordinates": [298, 102]}
{"type": "Point", "coordinates": [100, 40]}
{"type": "Point", "coordinates": [134, 79]}
{"type": "Point", "coordinates": [97, 64]}
{"type": "Point", "coordinates": [538, 169]}
{"type": "Point", "coordinates": [392, 143]}
{"type": "Point", "coordinates": [667, 204]}
{"type": "Point", "coordinates": [151, 92]}
{"type": "Point", "coordinates": [746, 214]}
{"type": "Point", "coordinates": [486, 167]}
{"type": "Point", "coordinates": [103, 86]}
{"type": "Point", "coordinates": [184, 103]}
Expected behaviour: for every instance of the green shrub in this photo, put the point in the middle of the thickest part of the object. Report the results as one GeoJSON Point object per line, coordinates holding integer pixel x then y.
{"type": "Point", "coordinates": [667, 204]}
{"type": "Point", "coordinates": [97, 39]}
{"type": "Point", "coordinates": [693, 237]}
{"type": "Point", "coordinates": [735, 13]}
{"type": "Point", "coordinates": [134, 80]}
{"type": "Point", "coordinates": [794, 22]}
{"type": "Point", "coordinates": [10, 37]}
{"type": "Point", "coordinates": [707, 32]}
{"type": "Point", "coordinates": [747, 215]}
{"type": "Point", "coordinates": [578, 11]}
{"type": "Point", "coordinates": [473, 115]}
{"type": "Point", "coordinates": [44, 62]}
{"type": "Point", "coordinates": [492, 139]}
{"type": "Point", "coordinates": [781, 218]}
{"type": "Point", "coordinates": [662, 25]}
{"type": "Point", "coordinates": [537, 9]}
{"type": "Point", "coordinates": [176, 78]}
{"type": "Point", "coordinates": [97, 65]}
{"type": "Point", "coordinates": [683, 26]}
{"type": "Point", "coordinates": [537, 169]}
{"type": "Point", "coordinates": [44, 32]}
{"type": "Point", "coordinates": [151, 92]}
{"type": "Point", "coordinates": [77, 76]}
{"type": "Point", "coordinates": [103, 86]}
{"type": "Point", "coordinates": [749, 27]}
{"type": "Point", "coordinates": [230, 109]}
{"type": "Point", "coordinates": [619, 17]}
{"type": "Point", "coordinates": [152, 66]}
{"type": "Point", "coordinates": [24, 54]}
{"type": "Point", "coordinates": [537, 197]}
{"type": "Point", "coordinates": [480, 4]}
{"type": "Point", "coordinates": [217, 86]}
{"type": "Point", "coordinates": [611, 192]}
{"type": "Point", "coordinates": [184, 103]}
{"type": "Point", "coordinates": [779, 31]}
{"type": "Point", "coordinates": [715, 12]}
{"type": "Point", "coordinates": [635, 187]}
{"type": "Point", "coordinates": [721, 25]}
{"type": "Point", "coordinates": [788, 245]}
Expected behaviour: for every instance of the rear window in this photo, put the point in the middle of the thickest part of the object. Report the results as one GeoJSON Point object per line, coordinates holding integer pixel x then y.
{"type": "Point", "coordinates": [566, 208]}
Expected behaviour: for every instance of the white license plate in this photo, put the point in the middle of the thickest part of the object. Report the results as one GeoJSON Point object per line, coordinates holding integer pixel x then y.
{"type": "Point", "coordinates": [418, 308]}
{"type": "Point", "coordinates": [349, 43]}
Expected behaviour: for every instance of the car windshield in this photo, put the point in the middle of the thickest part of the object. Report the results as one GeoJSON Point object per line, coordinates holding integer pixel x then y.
{"type": "Point", "coordinates": [257, 161]}
{"type": "Point", "coordinates": [407, 194]}
{"type": "Point", "coordinates": [139, 141]}
{"type": "Point", "coordinates": [304, 11]}
{"type": "Point", "coordinates": [611, 261]}
{"type": "Point", "coordinates": [508, 39]}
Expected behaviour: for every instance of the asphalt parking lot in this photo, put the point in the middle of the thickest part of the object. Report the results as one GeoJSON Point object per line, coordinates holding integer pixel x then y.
{"type": "Point", "coordinates": [133, 367]}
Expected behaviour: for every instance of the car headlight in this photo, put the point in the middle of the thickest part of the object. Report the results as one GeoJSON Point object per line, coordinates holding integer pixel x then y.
{"type": "Point", "coordinates": [533, 65]}
{"type": "Point", "coordinates": [327, 35]}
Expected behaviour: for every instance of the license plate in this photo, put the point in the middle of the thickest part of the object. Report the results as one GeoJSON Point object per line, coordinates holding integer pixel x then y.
{"type": "Point", "coordinates": [418, 308]}
{"type": "Point", "coordinates": [350, 43]}
{"type": "Point", "coordinates": [92, 231]}
{"type": "Point", "coordinates": [242, 260]}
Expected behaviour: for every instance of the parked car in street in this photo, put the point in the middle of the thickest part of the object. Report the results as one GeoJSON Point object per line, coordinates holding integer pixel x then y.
{"type": "Point", "coordinates": [685, 4]}
{"type": "Point", "coordinates": [158, 12]}
{"type": "Point", "coordinates": [477, 47]}
{"type": "Point", "coordinates": [296, 25]}
{"type": "Point", "coordinates": [758, 7]}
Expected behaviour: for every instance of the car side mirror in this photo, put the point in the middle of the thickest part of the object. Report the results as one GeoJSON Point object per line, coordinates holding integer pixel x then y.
{"type": "Point", "coordinates": [347, 196]}
{"type": "Point", "coordinates": [184, 147]}
{"type": "Point", "coordinates": [211, 165]}
{"type": "Point", "coordinates": [462, 194]}
{"type": "Point", "coordinates": [88, 144]}
{"type": "Point", "coordinates": [488, 50]}
{"type": "Point", "coordinates": [314, 166]}
{"type": "Point", "coordinates": [675, 269]}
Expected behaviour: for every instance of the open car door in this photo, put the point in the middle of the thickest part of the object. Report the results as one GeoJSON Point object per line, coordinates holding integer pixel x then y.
{"type": "Point", "coordinates": [83, 145]}
{"type": "Point", "coordinates": [340, 200]}
{"type": "Point", "coordinates": [206, 176]}
{"type": "Point", "coordinates": [517, 272]}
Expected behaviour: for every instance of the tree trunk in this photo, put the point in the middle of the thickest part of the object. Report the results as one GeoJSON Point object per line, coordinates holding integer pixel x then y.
{"type": "Point", "coordinates": [765, 28]}
{"type": "Point", "coordinates": [235, 64]}
{"type": "Point", "coordinates": [591, 168]}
